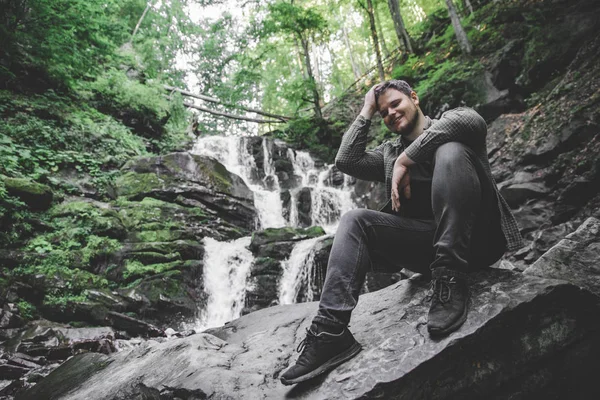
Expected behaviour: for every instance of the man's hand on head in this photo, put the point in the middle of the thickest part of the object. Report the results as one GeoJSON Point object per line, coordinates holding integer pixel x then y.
{"type": "Point", "coordinates": [370, 106]}
{"type": "Point", "coordinates": [400, 180]}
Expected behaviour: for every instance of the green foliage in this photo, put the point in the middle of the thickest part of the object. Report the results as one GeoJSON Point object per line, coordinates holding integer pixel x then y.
{"type": "Point", "coordinates": [44, 134]}
{"type": "Point", "coordinates": [69, 39]}
{"type": "Point", "coordinates": [311, 134]}
{"type": "Point", "coordinates": [27, 310]}
{"type": "Point", "coordinates": [113, 86]}
{"type": "Point", "coordinates": [299, 21]}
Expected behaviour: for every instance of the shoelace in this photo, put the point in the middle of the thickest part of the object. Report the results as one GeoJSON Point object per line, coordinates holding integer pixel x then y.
{"type": "Point", "coordinates": [442, 288]}
{"type": "Point", "coordinates": [310, 337]}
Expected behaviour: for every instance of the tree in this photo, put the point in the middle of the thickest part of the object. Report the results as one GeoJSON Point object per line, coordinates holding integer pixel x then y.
{"type": "Point", "coordinates": [380, 33]}
{"type": "Point", "coordinates": [460, 33]}
{"type": "Point", "coordinates": [371, 14]}
{"type": "Point", "coordinates": [401, 33]}
{"type": "Point", "coordinates": [302, 24]}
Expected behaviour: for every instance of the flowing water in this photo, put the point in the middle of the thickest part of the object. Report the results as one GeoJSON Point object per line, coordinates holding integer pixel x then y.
{"type": "Point", "coordinates": [227, 265]}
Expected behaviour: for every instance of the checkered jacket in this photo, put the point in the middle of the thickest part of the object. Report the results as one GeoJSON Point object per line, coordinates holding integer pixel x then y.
{"type": "Point", "coordinates": [462, 125]}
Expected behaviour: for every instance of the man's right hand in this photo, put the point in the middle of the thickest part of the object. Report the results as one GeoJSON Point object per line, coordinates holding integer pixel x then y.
{"type": "Point", "coordinates": [370, 106]}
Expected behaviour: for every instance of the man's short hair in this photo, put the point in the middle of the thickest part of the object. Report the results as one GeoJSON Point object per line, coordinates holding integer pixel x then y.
{"type": "Point", "coordinates": [401, 86]}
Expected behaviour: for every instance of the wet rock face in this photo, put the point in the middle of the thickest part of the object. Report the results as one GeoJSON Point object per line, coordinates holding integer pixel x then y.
{"type": "Point", "coordinates": [576, 258]}
{"type": "Point", "coordinates": [304, 204]}
{"type": "Point", "coordinates": [510, 313]}
{"type": "Point", "coordinates": [34, 352]}
{"type": "Point", "coordinates": [271, 247]}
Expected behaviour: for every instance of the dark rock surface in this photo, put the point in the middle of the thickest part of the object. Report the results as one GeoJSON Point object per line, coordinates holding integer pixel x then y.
{"type": "Point", "coordinates": [576, 258]}
{"type": "Point", "coordinates": [525, 336]}
{"type": "Point", "coordinates": [271, 247]}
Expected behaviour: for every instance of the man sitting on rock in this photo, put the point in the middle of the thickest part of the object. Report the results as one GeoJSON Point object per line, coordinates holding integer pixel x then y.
{"type": "Point", "coordinates": [445, 212]}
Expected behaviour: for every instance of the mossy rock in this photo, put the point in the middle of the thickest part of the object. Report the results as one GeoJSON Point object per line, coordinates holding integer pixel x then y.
{"type": "Point", "coordinates": [101, 220]}
{"type": "Point", "coordinates": [178, 172]}
{"type": "Point", "coordinates": [271, 235]}
{"type": "Point", "coordinates": [151, 257]}
{"type": "Point", "coordinates": [135, 269]}
{"type": "Point", "coordinates": [35, 195]}
{"type": "Point", "coordinates": [187, 249]}
{"type": "Point", "coordinates": [266, 266]}
{"type": "Point", "coordinates": [153, 214]}
{"type": "Point", "coordinates": [163, 235]}
{"type": "Point", "coordinates": [132, 183]}
{"type": "Point", "coordinates": [166, 297]}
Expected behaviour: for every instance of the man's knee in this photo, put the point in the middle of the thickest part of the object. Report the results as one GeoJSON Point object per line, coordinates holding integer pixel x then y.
{"type": "Point", "coordinates": [451, 153]}
{"type": "Point", "coordinates": [356, 217]}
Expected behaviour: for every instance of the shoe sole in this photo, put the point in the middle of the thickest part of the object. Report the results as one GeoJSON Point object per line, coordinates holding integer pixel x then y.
{"type": "Point", "coordinates": [451, 328]}
{"type": "Point", "coordinates": [329, 365]}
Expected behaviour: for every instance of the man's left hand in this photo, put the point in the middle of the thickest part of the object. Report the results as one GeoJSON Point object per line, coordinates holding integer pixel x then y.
{"type": "Point", "coordinates": [400, 180]}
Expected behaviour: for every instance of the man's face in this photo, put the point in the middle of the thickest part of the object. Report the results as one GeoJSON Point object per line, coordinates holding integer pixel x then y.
{"type": "Point", "coordinates": [399, 111]}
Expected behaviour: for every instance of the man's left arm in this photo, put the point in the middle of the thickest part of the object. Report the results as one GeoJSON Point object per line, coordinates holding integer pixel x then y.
{"type": "Point", "coordinates": [462, 125]}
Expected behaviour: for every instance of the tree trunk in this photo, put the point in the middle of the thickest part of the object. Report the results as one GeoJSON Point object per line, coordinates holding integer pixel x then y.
{"type": "Point", "coordinates": [401, 33]}
{"type": "Point", "coordinates": [355, 68]}
{"type": "Point", "coordinates": [137, 26]}
{"type": "Point", "coordinates": [311, 78]}
{"type": "Point", "coordinates": [381, 35]}
{"type": "Point", "coordinates": [301, 65]}
{"type": "Point", "coordinates": [231, 116]}
{"type": "Point", "coordinates": [460, 33]}
{"type": "Point", "coordinates": [371, 14]}
{"type": "Point", "coordinates": [217, 101]}
{"type": "Point", "coordinates": [469, 6]}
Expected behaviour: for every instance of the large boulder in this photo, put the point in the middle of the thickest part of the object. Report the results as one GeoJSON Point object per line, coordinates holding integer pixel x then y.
{"type": "Point", "coordinates": [35, 195]}
{"type": "Point", "coordinates": [181, 176]}
{"type": "Point", "coordinates": [525, 337]}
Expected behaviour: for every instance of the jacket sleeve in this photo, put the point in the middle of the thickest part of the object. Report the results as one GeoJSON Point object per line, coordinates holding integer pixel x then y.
{"type": "Point", "coordinates": [353, 158]}
{"type": "Point", "coordinates": [462, 125]}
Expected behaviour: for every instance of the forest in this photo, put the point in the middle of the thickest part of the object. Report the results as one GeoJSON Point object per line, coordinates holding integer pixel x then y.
{"type": "Point", "coordinates": [95, 94]}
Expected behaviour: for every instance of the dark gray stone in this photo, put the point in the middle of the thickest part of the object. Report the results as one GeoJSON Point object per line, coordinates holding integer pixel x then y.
{"type": "Point", "coordinates": [524, 336]}
{"type": "Point", "coordinates": [576, 258]}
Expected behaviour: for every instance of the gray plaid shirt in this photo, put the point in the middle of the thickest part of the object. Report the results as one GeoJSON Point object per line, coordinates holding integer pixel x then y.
{"type": "Point", "coordinates": [462, 125]}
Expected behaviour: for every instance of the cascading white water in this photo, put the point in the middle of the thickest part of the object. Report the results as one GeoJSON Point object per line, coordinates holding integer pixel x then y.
{"type": "Point", "coordinates": [296, 271]}
{"type": "Point", "coordinates": [226, 269]}
{"type": "Point", "coordinates": [233, 154]}
{"type": "Point", "coordinates": [328, 203]}
{"type": "Point", "coordinates": [228, 264]}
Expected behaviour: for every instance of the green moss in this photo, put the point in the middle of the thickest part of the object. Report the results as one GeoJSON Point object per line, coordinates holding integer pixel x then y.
{"type": "Point", "coordinates": [163, 235]}
{"type": "Point", "coordinates": [23, 185]}
{"type": "Point", "coordinates": [132, 184]}
{"type": "Point", "coordinates": [135, 269]}
{"type": "Point", "coordinates": [149, 257]}
{"type": "Point", "coordinates": [27, 310]}
{"type": "Point", "coordinates": [218, 175]}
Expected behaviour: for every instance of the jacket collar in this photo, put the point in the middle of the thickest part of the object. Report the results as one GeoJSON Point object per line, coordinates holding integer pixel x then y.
{"type": "Point", "coordinates": [401, 141]}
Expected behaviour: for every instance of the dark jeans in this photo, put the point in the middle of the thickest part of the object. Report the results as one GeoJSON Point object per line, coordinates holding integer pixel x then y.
{"type": "Point", "coordinates": [465, 234]}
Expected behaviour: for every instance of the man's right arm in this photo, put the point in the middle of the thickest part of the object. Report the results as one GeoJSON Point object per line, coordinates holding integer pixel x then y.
{"type": "Point", "coordinates": [352, 157]}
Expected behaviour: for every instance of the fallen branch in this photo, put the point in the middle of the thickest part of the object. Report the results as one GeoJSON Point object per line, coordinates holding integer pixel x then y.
{"type": "Point", "coordinates": [283, 118]}
{"type": "Point", "coordinates": [227, 115]}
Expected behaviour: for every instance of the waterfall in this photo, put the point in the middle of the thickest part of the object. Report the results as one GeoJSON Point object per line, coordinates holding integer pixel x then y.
{"type": "Point", "coordinates": [233, 153]}
{"type": "Point", "coordinates": [226, 269]}
{"type": "Point", "coordinates": [297, 272]}
{"type": "Point", "coordinates": [228, 264]}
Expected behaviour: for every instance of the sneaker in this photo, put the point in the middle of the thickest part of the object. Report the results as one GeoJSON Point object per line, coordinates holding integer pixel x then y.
{"type": "Point", "coordinates": [449, 295]}
{"type": "Point", "coordinates": [321, 352]}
